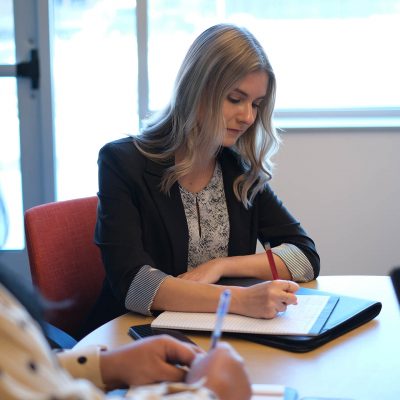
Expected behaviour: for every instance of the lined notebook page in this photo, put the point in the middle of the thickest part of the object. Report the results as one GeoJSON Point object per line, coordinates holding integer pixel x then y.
{"type": "Point", "coordinates": [305, 318]}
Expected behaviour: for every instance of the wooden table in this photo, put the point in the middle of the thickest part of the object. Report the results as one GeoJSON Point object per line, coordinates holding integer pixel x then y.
{"type": "Point", "coordinates": [363, 364]}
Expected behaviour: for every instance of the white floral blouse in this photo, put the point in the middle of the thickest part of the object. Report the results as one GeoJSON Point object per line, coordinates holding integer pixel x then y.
{"type": "Point", "coordinates": [29, 370]}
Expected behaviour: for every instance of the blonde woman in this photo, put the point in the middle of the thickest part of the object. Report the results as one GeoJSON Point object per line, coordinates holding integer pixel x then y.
{"type": "Point", "coordinates": [182, 204]}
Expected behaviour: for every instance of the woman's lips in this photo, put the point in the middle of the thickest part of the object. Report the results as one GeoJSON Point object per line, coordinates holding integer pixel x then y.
{"type": "Point", "coordinates": [235, 131]}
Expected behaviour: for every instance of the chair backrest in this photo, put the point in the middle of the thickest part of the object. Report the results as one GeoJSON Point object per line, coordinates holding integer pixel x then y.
{"type": "Point", "coordinates": [64, 261]}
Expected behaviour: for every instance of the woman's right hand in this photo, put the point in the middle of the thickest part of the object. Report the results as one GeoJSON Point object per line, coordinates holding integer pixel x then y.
{"type": "Point", "coordinates": [264, 300]}
{"type": "Point", "coordinates": [224, 371]}
{"type": "Point", "coordinates": [146, 361]}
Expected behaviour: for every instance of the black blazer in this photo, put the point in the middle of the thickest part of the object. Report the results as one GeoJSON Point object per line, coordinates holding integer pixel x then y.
{"type": "Point", "coordinates": [137, 224]}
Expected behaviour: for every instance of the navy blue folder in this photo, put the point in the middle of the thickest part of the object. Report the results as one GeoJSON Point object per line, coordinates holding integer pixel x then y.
{"type": "Point", "coordinates": [349, 313]}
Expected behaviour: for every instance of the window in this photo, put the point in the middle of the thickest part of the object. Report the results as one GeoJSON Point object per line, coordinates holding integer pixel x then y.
{"type": "Point", "coordinates": [336, 62]}
{"type": "Point", "coordinates": [95, 86]}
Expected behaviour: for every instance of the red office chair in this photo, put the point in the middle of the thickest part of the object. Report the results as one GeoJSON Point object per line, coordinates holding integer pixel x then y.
{"type": "Point", "coordinates": [64, 261]}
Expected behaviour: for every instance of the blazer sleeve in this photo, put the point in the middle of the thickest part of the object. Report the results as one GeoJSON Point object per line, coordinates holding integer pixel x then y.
{"type": "Point", "coordinates": [277, 225]}
{"type": "Point", "coordinates": [118, 230]}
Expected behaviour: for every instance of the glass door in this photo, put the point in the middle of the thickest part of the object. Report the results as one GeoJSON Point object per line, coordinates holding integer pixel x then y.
{"type": "Point", "coordinates": [10, 169]}
{"type": "Point", "coordinates": [26, 163]}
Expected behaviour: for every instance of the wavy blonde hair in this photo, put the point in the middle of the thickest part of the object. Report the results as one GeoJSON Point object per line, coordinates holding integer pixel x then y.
{"type": "Point", "coordinates": [217, 60]}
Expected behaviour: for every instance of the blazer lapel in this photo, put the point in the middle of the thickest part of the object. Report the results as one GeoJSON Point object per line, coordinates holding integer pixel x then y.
{"type": "Point", "coordinates": [172, 214]}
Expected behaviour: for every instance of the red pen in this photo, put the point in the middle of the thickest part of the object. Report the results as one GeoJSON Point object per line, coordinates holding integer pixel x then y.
{"type": "Point", "coordinates": [271, 261]}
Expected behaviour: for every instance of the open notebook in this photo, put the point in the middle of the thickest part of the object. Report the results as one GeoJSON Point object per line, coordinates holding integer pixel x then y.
{"type": "Point", "coordinates": [307, 318]}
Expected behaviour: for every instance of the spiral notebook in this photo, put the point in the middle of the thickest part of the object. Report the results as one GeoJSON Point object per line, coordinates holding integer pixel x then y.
{"type": "Point", "coordinates": [307, 318]}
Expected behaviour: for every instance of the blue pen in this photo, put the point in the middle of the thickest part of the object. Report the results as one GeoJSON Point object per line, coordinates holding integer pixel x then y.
{"type": "Point", "coordinates": [222, 310]}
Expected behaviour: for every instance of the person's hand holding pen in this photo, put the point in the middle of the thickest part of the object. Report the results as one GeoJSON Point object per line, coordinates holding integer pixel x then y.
{"type": "Point", "coordinates": [225, 372]}
{"type": "Point", "coordinates": [224, 368]}
{"type": "Point", "coordinates": [264, 300]}
{"type": "Point", "coordinates": [267, 299]}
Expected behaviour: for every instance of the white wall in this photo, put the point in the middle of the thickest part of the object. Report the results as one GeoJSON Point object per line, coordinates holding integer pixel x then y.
{"type": "Point", "coordinates": [345, 189]}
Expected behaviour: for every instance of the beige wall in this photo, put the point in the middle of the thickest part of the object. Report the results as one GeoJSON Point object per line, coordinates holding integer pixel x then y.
{"type": "Point", "coordinates": [345, 189]}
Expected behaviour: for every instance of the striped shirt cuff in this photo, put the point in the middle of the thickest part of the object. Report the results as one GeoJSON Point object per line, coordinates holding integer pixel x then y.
{"type": "Point", "coordinates": [295, 260]}
{"type": "Point", "coordinates": [143, 289]}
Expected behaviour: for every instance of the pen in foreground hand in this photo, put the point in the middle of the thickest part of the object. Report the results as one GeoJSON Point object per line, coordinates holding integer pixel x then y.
{"type": "Point", "coordinates": [222, 310]}
{"type": "Point", "coordinates": [271, 261]}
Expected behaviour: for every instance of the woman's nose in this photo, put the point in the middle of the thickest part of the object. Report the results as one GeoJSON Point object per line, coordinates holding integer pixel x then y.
{"type": "Point", "coordinates": [247, 115]}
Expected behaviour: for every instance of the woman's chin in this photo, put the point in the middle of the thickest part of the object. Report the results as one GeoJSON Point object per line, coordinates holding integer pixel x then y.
{"type": "Point", "coordinates": [230, 140]}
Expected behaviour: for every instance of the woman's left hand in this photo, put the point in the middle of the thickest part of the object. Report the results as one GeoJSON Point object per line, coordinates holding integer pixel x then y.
{"type": "Point", "coordinates": [209, 272]}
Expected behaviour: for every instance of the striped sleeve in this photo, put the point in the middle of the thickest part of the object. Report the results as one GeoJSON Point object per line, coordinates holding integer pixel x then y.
{"type": "Point", "coordinates": [143, 289]}
{"type": "Point", "coordinates": [297, 263]}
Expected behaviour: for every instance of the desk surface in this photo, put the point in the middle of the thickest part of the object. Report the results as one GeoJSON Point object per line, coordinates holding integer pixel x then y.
{"type": "Point", "coordinates": [363, 364]}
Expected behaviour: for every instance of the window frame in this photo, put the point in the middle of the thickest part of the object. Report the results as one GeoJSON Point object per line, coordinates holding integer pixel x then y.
{"type": "Point", "coordinates": [35, 108]}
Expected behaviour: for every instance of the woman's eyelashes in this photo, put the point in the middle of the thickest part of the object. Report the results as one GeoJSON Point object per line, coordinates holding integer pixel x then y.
{"type": "Point", "coordinates": [236, 100]}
